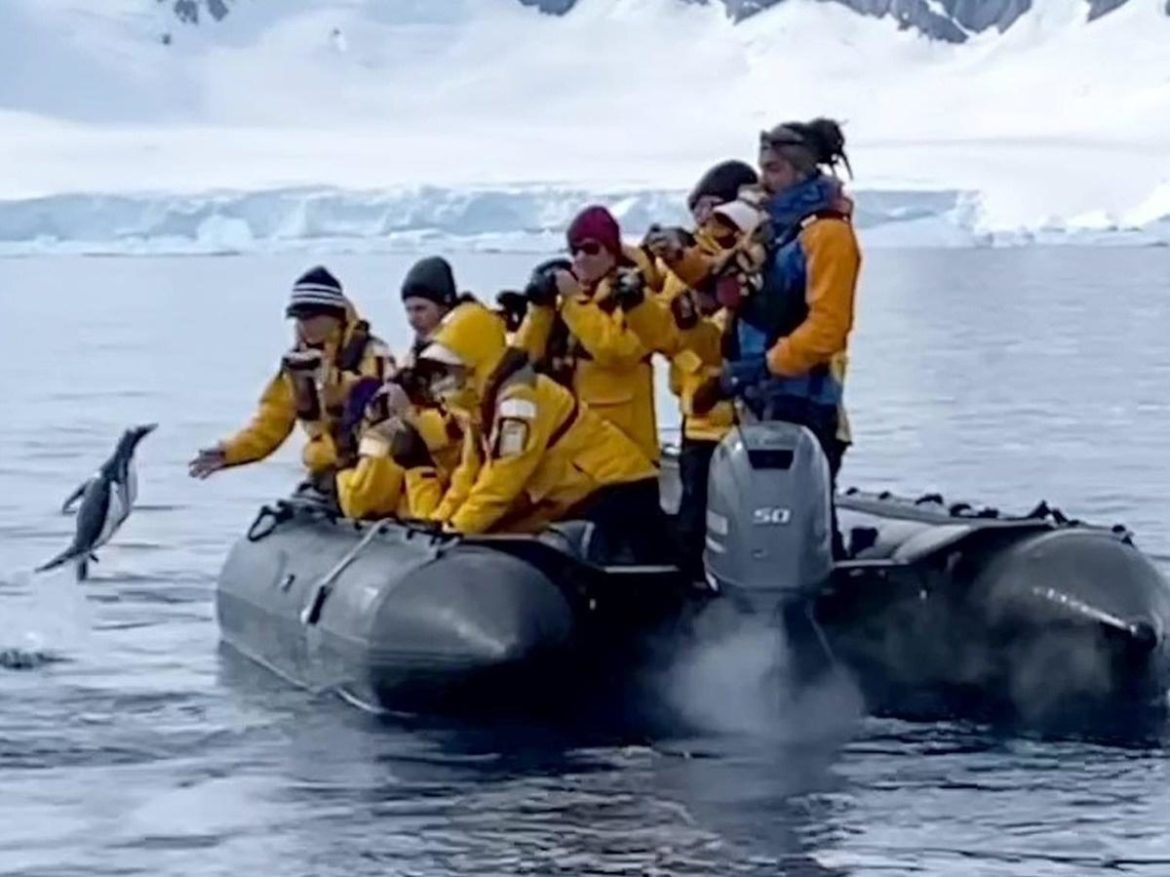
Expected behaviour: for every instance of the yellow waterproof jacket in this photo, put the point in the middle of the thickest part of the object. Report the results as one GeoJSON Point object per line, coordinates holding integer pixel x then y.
{"type": "Point", "coordinates": [830, 295]}
{"type": "Point", "coordinates": [347, 358]}
{"type": "Point", "coordinates": [695, 355]}
{"type": "Point", "coordinates": [609, 364]}
{"type": "Point", "coordinates": [531, 450]}
{"type": "Point", "coordinates": [541, 454]}
{"type": "Point", "coordinates": [377, 487]}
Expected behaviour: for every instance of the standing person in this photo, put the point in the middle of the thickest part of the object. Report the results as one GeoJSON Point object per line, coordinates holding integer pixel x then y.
{"type": "Point", "coordinates": [789, 346]}
{"type": "Point", "coordinates": [685, 325]}
{"type": "Point", "coordinates": [332, 353]}
{"type": "Point", "coordinates": [602, 360]}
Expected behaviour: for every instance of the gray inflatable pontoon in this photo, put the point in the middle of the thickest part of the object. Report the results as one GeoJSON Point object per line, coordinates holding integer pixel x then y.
{"type": "Point", "coordinates": [399, 616]}
{"type": "Point", "coordinates": [937, 609]}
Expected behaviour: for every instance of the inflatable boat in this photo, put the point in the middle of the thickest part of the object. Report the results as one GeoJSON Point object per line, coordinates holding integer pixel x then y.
{"type": "Point", "coordinates": [937, 609]}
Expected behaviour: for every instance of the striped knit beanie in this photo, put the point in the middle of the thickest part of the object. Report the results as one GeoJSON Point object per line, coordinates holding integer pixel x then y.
{"type": "Point", "coordinates": [316, 292]}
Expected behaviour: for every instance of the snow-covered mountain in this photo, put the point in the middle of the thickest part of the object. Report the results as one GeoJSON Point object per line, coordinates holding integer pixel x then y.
{"type": "Point", "coordinates": [248, 123]}
{"type": "Point", "coordinates": [950, 20]}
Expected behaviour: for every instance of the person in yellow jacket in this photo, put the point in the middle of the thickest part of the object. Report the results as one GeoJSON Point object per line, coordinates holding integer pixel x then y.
{"type": "Point", "coordinates": [533, 453]}
{"type": "Point", "coordinates": [396, 434]}
{"type": "Point", "coordinates": [397, 416]}
{"type": "Point", "coordinates": [333, 352]}
{"type": "Point", "coordinates": [686, 326]}
{"type": "Point", "coordinates": [605, 363]}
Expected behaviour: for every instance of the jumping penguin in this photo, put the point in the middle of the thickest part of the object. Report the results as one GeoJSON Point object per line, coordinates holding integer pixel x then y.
{"type": "Point", "coordinates": [106, 500]}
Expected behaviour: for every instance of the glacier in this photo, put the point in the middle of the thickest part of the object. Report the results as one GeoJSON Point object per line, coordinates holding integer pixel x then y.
{"type": "Point", "coordinates": [484, 123]}
{"type": "Point", "coordinates": [503, 219]}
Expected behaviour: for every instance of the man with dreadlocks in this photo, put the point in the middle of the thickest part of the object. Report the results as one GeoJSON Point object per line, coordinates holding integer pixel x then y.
{"type": "Point", "coordinates": [787, 346]}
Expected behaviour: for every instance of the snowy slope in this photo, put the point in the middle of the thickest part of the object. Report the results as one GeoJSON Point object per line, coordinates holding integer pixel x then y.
{"type": "Point", "coordinates": [251, 124]}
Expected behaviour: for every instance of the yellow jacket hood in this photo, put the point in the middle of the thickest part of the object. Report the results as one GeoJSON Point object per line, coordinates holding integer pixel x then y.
{"type": "Point", "coordinates": [471, 336]}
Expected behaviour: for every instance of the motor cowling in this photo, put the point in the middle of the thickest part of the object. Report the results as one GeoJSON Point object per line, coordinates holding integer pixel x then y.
{"type": "Point", "coordinates": [769, 517]}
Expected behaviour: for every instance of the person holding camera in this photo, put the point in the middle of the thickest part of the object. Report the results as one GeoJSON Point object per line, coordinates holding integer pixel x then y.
{"type": "Point", "coordinates": [575, 330]}
{"type": "Point", "coordinates": [685, 324]}
{"type": "Point", "coordinates": [333, 351]}
{"type": "Point", "coordinates": [400, 427]}
{"type": "Point", "coordinates": [534, 454]}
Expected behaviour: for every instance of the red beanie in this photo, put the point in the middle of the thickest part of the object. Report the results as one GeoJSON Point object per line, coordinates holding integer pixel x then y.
{"type": "Point", "coordinates": [596, 224]}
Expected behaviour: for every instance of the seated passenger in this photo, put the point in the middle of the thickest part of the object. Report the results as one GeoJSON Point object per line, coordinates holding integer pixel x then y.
{"type": "Point", "coordinates": [375, 486]}
{"type": "Point", "coordinates": [428, 294]}
{"type": "Point", "coordinates": [332, 352]}
{"type": "Point", "coordinates": [533, 454]}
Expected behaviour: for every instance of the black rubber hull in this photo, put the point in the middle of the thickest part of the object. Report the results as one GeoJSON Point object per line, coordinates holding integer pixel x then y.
{"type": "Point", "coordinates": [409, 621]}
{"type": "Point", "coordinates": [417, 622]}
{"type": "Point", "coordinates": [936, 614]}
{"type": "Point", "coordinates": [1021, 618]}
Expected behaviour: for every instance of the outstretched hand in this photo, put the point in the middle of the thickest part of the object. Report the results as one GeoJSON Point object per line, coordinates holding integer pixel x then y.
{"type": "Point", "coordinates": [207, 462]}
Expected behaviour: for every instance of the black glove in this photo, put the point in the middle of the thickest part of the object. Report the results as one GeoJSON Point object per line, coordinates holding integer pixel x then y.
{"type": "Point", "coordinates": [302, 366]}
{"type": "Point", "coordinates": [667, 244]}
{"type": "Point", "coordinates": [414, 384]}
{"type": "Point", "coordinates": [409, 450]}
{"type": "Point", "coordinates": [541, 290]}
{"type": "Point", "coordinates": [301, 361]}
{"type": "Point", "coordinates": [685, 311]}
{"type": "Point", "coordinates": [542, 285]}
{"type": "Point", "coordinates": [629, 290]}
{"type": "Point", "coordinates": [707, 395]}
{"type": "Point", "coordinates": [513, 306]}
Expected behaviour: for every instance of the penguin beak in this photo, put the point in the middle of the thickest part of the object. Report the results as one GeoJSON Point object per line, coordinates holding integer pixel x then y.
{"type": "Point", "coordinates": [145, 430]}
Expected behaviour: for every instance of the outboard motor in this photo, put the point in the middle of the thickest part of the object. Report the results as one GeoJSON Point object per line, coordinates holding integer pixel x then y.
{"type": "Point", "coordinates": [769, 516]}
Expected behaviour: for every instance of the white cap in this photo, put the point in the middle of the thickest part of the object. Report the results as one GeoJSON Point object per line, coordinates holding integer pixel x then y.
{"type": "Point", "coordinates": [438, 353]}
{"type": "Point", "coordinates": [746, 217]}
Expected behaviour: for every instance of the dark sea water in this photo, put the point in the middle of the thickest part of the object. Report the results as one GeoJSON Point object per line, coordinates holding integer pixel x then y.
{"type": "Point", "coordinates": [130, 744]}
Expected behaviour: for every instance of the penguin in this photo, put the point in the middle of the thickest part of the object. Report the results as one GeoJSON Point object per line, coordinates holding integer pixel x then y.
{"type": "Point", "coordinates": [106, 500]}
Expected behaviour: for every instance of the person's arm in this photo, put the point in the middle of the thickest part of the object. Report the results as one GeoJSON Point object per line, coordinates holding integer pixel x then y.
{"type": "Point", "coordinates": [519, 440]}
{"type": "Point", "coordinates": [605, 336]}
{"type": "Point", "coordinates": [833, 263]}
{"type": "Point", "coordinates": [433, 501]}
{"type": "Point", "coordinates": [271, 425]}
{"type": "Point", "coordinates": [371, 489]}
{"type": "Point", "coordinates": [535, 331]}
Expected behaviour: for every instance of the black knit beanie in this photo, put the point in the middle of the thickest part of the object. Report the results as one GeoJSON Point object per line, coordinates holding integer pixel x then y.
{"type": "Point", "coordinates": [316, 292]}
{"type": "Point", "coordinates": [431, 278]}
{"type": "Point", "coordinates": [723, 181]}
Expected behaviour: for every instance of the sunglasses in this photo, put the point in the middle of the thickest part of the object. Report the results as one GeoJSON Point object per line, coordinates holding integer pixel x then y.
{"type": "Point", "coordinates": [589, 248]}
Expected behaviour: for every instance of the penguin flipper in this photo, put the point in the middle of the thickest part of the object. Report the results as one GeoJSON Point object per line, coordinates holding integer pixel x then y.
{"type": "Point", "coordinates": [83, 568]}
{"type": "Point", "coordinates": [74, 497]}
